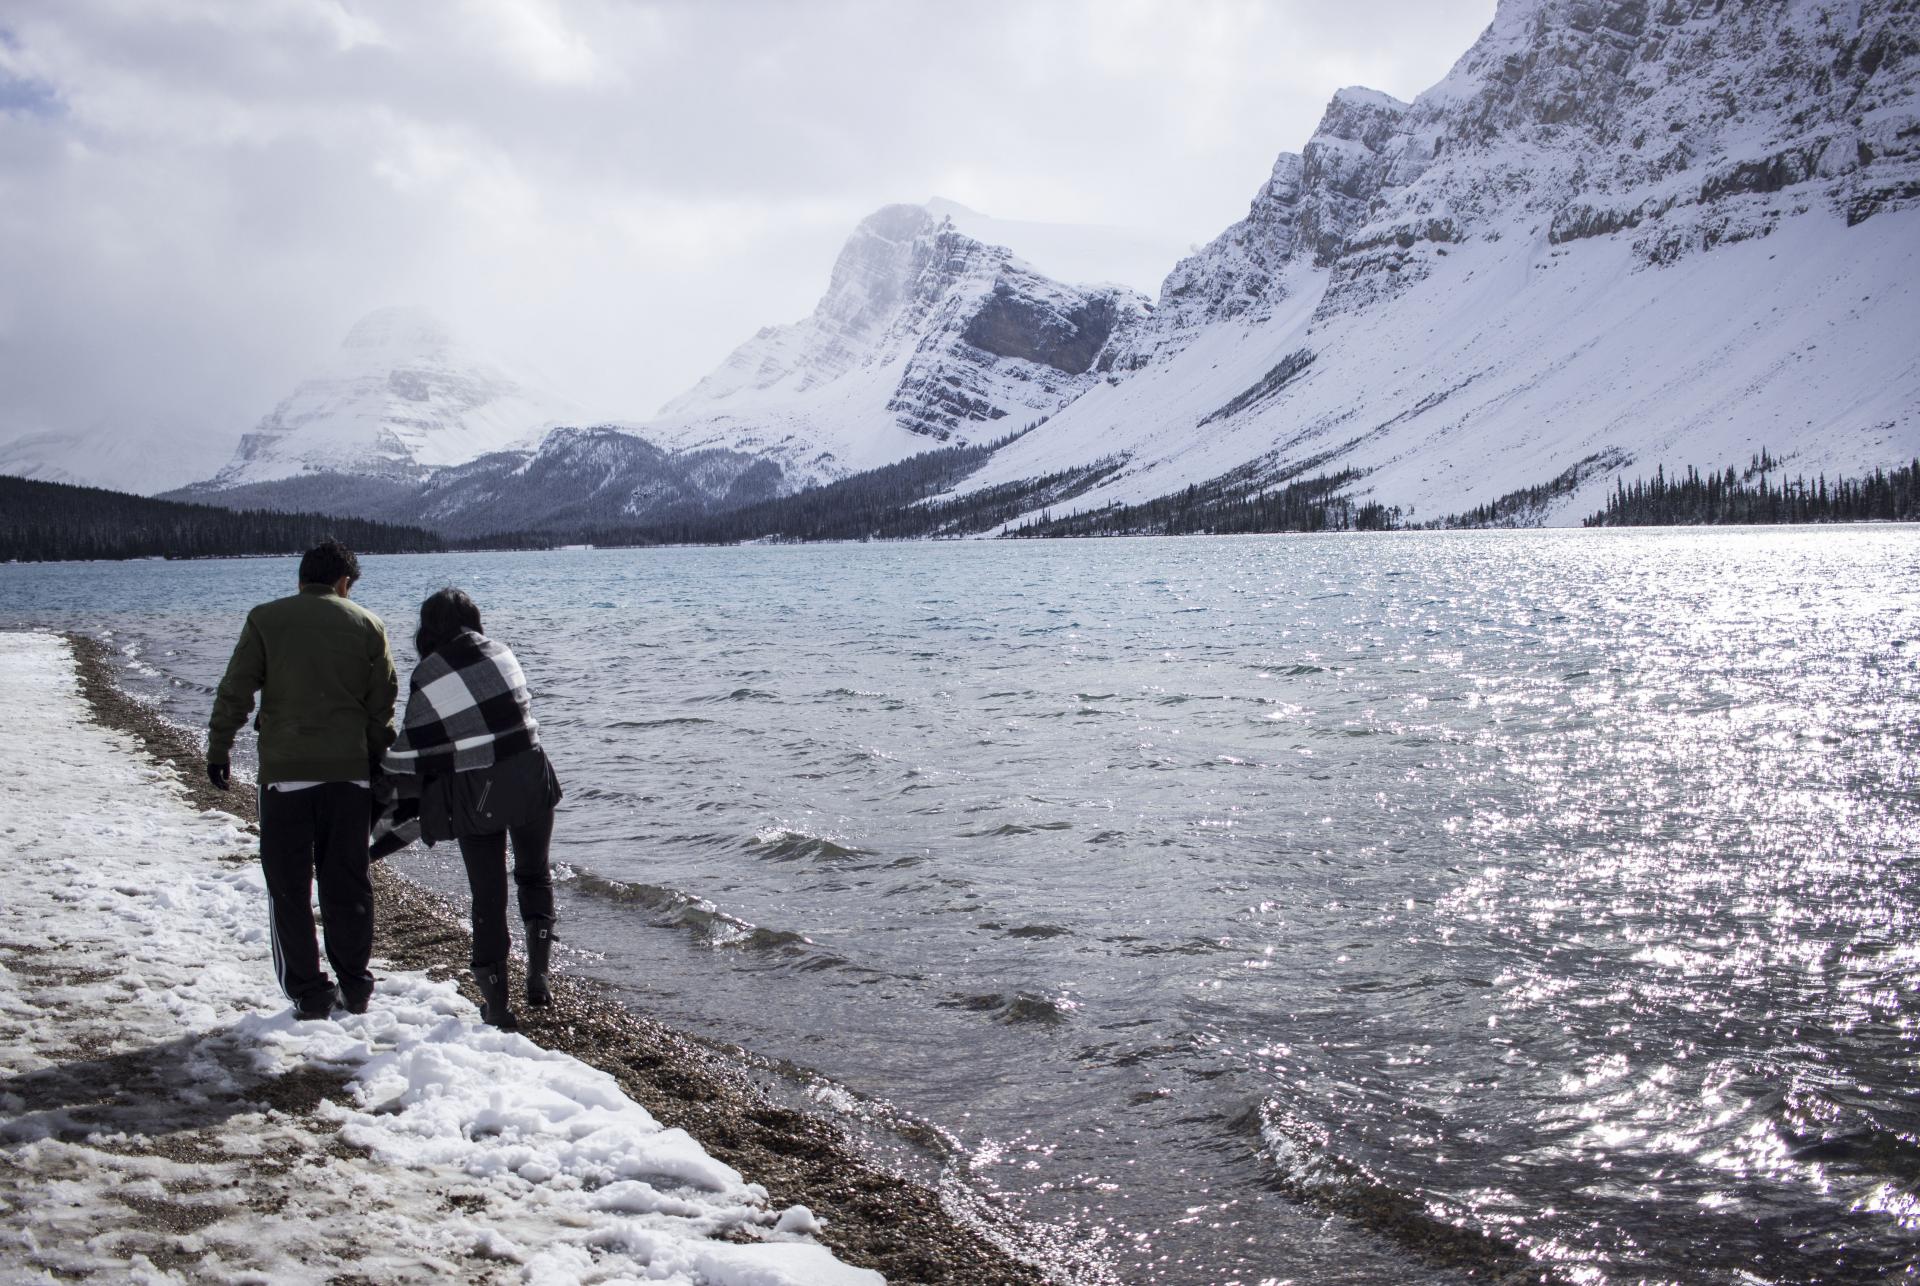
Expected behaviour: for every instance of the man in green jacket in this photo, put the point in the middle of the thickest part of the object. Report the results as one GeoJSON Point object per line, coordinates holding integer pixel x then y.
{"type": "Point", "coordinates": [320, 664]}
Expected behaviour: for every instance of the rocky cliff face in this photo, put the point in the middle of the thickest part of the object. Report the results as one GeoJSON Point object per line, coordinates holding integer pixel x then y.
{"type": "Point", "coordinates": [1680, 122]}
{"type": "Point", "coordinates": [1638, 231]}
{"type": "Point", "coordinates": [1675, 121]}
{"type": "Point", "coordinates": [399, 398]}
{"type": "Point", "coordinates": [925, 337]}
{"type": "Point", "coordinates": [1303, 214]}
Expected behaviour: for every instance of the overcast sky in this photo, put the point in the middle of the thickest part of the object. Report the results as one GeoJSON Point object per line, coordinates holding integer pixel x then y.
{"type": "Point", "coordinates": [199, 197]}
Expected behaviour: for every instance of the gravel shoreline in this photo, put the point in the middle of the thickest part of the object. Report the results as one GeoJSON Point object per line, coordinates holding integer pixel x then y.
{"type": "Point", "coordinates": [873, 1218]}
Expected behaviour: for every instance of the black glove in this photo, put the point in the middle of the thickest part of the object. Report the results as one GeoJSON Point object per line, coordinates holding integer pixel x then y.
{"type": "Point", "coordinates": [220, 775]}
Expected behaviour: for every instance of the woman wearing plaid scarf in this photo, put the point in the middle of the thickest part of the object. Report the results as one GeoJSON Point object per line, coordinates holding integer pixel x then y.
{"type": "Point", "coordinates": [468, 766]}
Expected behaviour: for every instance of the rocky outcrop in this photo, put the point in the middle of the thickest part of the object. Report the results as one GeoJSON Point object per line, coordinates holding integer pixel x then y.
{"type": "Point", "coordinates": [1343, 167]}
{"type": "Point", "coordinates": [1690, 124]}
{"type": "Point", "coordinates": [1024, 346]}
{"type": "Point", "coordinates": [1026, 324]}
{"type": "Point", "coordinates": [1303, 214]}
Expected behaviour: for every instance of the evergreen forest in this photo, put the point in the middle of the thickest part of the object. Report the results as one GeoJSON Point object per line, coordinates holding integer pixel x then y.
{"type": "Point", "coordinates": [1223, 508]}
{"type": "Point", "coordinates": [50, 521]}
{"type": "Point", "coordinates": [55, 522]}
{"type": "Point", "coordinates": [1729, 498]}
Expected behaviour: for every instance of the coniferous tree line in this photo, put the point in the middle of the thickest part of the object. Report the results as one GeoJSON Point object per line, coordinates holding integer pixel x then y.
{"type": "Point", "coordinates": [893, 502]}
{"type": "Point", "coordinates": [54, 521]}
{"type": "Point", "coordinates": [1228, 507]}
{"type": "Point", "coordinates": [1527, 506]}
{"type": "Point", "coordinates": [524, 540]}
{"type": "Point", "coordinates": [1732, 497]}
{"type": "Point", "coordinates": [44, 521]}
{"type": "Point", "coordinates": [877, 504]}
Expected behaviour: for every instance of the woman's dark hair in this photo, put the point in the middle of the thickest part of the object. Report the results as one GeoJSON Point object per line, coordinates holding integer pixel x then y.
{"type": "Point", "coordinates": [327, 562]}
{"type": "Point", "coordinates": [445, 613]}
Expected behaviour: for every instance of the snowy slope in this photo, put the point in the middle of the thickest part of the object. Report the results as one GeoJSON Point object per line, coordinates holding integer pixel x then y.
{"type": "Point", "coordinates": [925, 337]}
{"type": "Point", "coordinates": [401, 396]}
{"type": "Point", "coordinates": [109, 455]}
{"type": "Point", "coordinates": [1493, 375]}
{"type": "Point", "coordinates": [143, 1043]}
{"type": "Point", "coordinates": [1623, 233]}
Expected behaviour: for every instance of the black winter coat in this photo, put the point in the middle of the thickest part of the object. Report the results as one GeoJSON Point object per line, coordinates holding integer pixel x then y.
{"type": "Point", "coordinates": [485, 801]}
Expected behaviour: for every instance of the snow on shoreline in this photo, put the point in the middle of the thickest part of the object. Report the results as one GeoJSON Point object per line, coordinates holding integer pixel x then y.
{"type": "Point", "coordinates": [142, 1038]}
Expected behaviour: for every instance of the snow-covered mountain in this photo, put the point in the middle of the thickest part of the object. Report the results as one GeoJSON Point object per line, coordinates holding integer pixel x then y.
{"type": "Point", "coordinates": [576, 479]}
{"type": "Point", "coordinates": [585, 478]}
{"type": "Point", "coordinates": [926, 336]}
{"type": "Point", "coordinates": [399, 398]}
{"type": "Point", "coordinates": [1619, 234]}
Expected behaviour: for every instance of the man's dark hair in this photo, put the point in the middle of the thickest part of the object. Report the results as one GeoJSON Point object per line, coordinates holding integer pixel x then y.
{"type": "Point", "coordinates": [327, 562]}
{"type": "Point", "coordinates": [445, 613]}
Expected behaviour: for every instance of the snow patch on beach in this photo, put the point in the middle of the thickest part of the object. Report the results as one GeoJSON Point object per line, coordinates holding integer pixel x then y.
{"type": "Point", "coordinates": [163, 1116]}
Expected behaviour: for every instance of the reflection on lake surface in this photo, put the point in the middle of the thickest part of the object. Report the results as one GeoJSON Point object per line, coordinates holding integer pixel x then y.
{"type": "Point", "coordinates": [1311, 909]}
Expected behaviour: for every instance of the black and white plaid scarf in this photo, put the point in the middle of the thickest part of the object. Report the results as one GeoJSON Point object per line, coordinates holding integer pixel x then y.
{"type": "Point", "coordinates": [467, 708]}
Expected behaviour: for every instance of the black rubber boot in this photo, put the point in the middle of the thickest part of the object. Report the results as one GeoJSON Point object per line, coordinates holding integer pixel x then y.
{"type": "Point", "coordinates": [539, 958]}
{"type": "Point", "coordinates": [494, 1012]}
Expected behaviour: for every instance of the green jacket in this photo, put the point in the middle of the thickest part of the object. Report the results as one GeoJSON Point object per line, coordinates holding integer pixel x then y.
{"type": "Point", "coordinates": [325, 677]}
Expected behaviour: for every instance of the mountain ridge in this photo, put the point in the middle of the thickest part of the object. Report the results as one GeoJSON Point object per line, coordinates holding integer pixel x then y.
{"type": "Point", "coordinates": [1569, 248]}
{"type": "Point", "coordinates": [1618, 235]}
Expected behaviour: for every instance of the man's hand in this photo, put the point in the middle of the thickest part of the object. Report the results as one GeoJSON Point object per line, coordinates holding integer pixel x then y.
{"type": "Point", "coordinates": [220, 775]}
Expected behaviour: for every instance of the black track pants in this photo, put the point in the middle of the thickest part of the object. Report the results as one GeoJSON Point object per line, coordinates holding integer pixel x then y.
{"type": "Point", "coordinates": [486, 859]}
{"type": "Point", "coordinates": [319, 832]}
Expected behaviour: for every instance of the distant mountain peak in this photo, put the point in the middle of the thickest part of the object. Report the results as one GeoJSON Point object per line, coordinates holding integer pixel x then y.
{"type": "Point", "coordinates": [944, 208]}
{"type": "Point", "coordinates": [400, 396]}
{"type": "Point", "coordinates": [1362, 97]}
{"type": "Point", "coordinates": [398, 328]}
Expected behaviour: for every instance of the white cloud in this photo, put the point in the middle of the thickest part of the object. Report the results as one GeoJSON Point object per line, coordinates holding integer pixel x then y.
{"type": "Point", "coordinates": [198, 197]}
{"type": "Point", "coordinates": [534, 40]}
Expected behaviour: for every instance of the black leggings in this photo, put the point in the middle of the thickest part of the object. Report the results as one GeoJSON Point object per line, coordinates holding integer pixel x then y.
{"type": "Point", "coordinates": [486, 859]}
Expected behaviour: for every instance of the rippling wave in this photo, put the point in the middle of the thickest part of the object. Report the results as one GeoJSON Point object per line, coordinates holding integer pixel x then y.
{"type": "Point", "coordinates": [712, 926]}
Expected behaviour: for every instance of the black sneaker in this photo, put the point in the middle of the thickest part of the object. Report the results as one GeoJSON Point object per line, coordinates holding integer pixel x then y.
{"type": "Point", "coordinates": [356, 1004]}
{"type": "Point", "coordinates": [317, 1007]}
